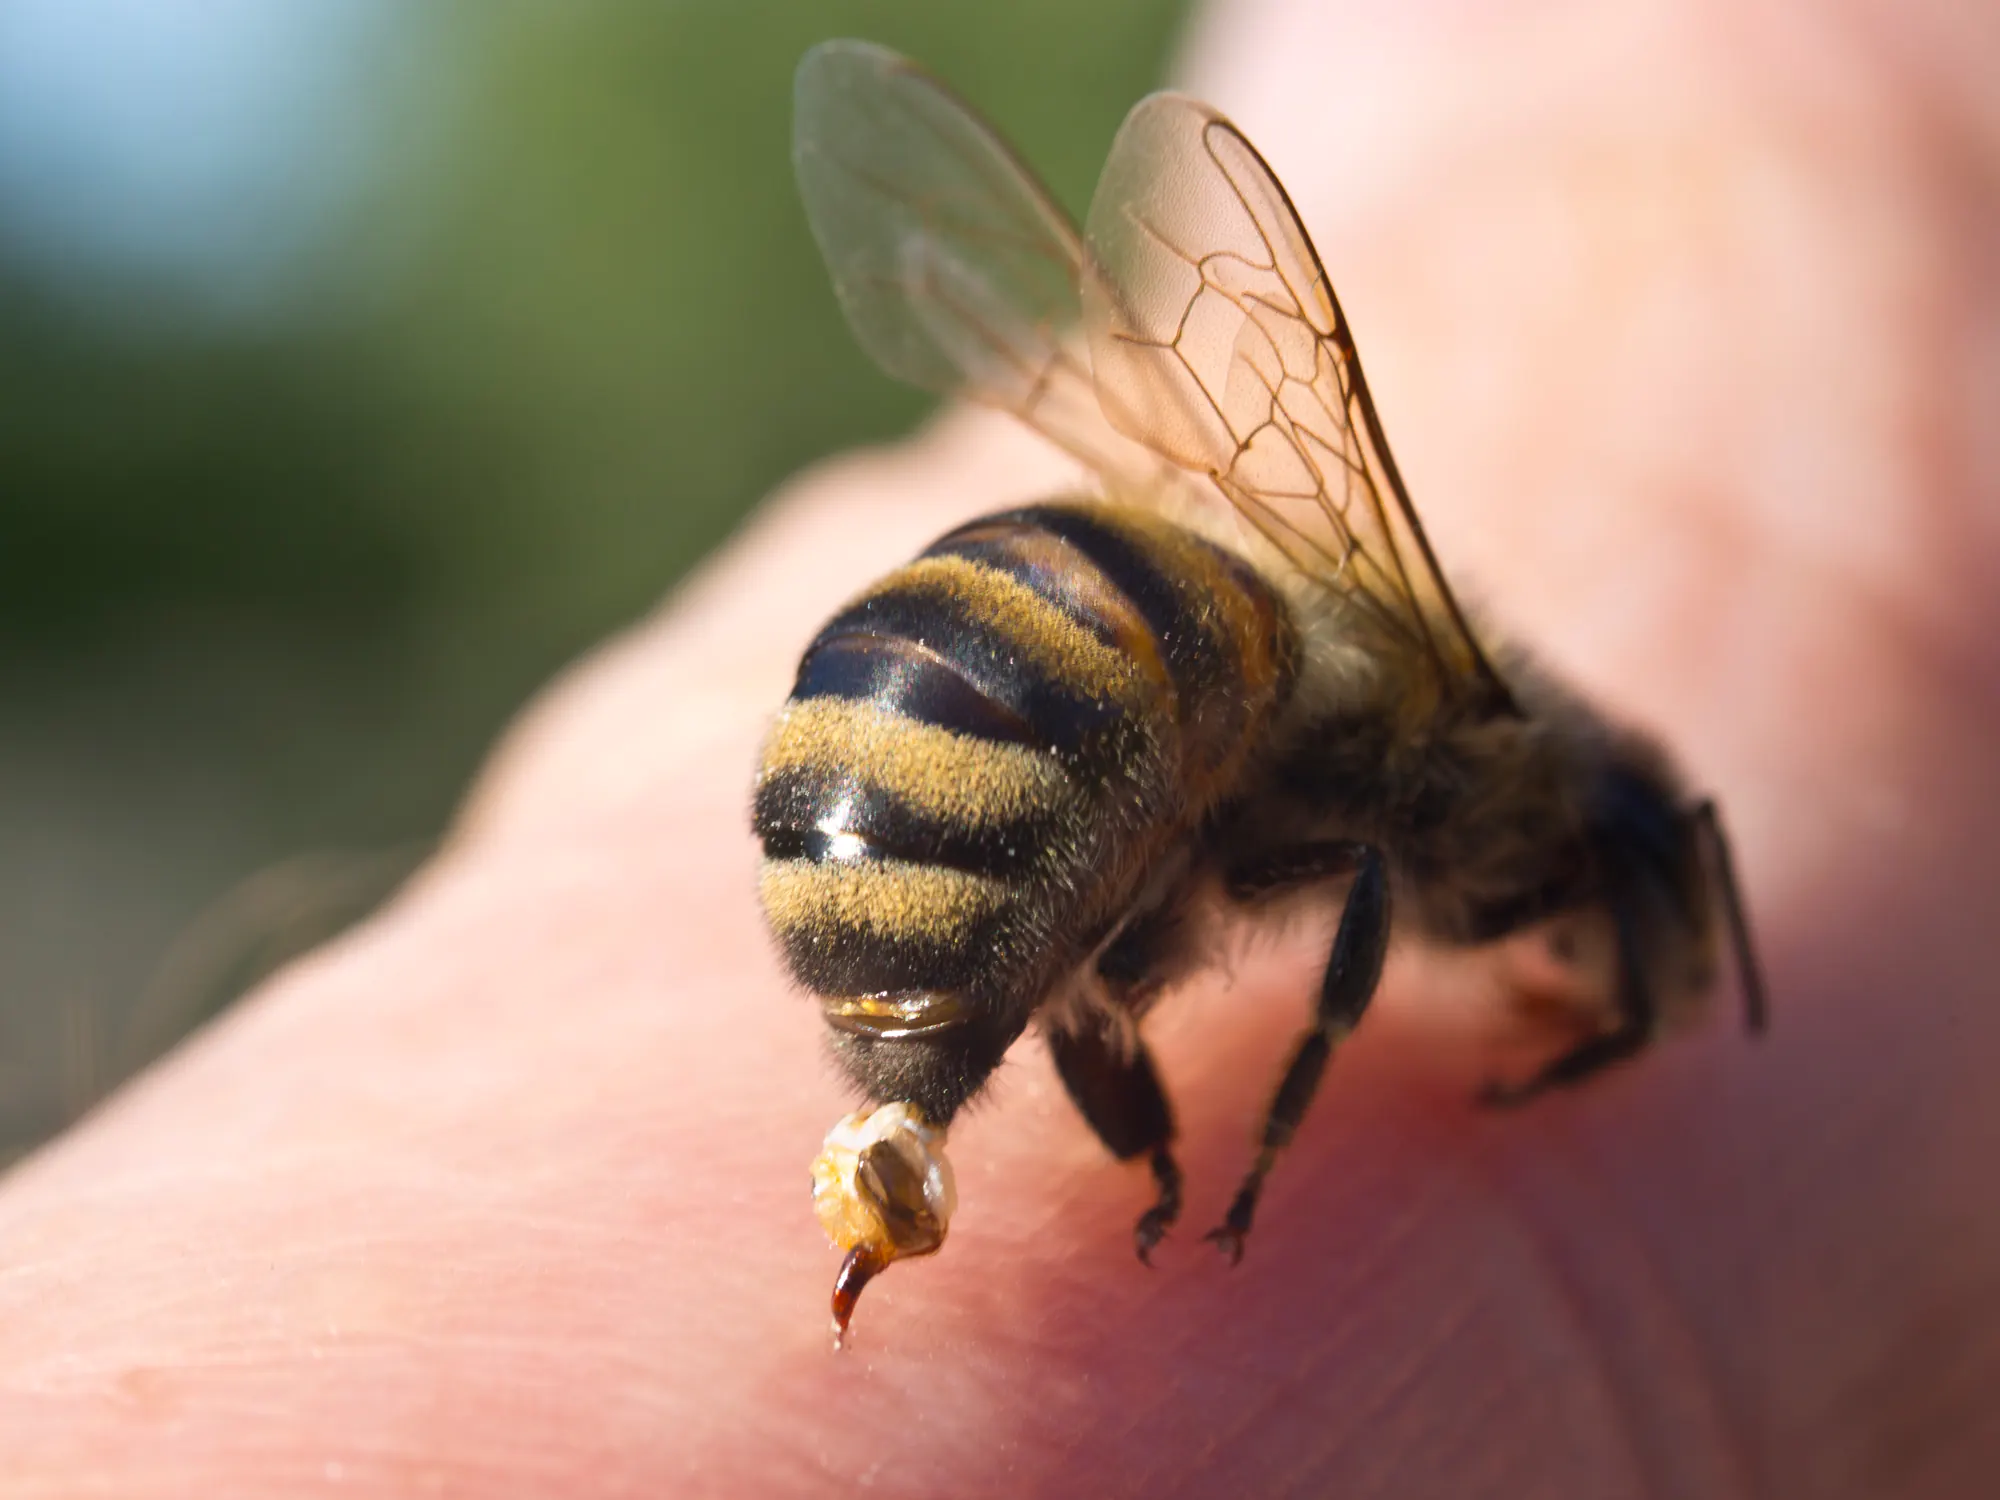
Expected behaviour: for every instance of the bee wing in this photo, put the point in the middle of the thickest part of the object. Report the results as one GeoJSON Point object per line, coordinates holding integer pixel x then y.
{"type": "Point", "coordinates": [957, 271]}
{"type": "Point", "coordinates": [1217, 341]}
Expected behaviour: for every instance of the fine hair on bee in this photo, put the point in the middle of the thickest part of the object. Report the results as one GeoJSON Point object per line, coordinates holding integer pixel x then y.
{"type": "Point", "coordinates": [1009, 770]}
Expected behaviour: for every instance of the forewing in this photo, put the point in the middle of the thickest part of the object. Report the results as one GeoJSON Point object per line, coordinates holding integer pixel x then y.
{"type": "Point", "coordinates": [957, 271]}
{"type": "Point", "coordinates": [1217, 341]}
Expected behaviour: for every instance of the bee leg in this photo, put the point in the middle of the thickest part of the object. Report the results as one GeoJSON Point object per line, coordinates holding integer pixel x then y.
{"type": "Point", "coordinates": [1113, 1081]}
{"type": "Point", "coordinates": [1756, 1008]}
{"type": "Point", "coordinates": [1631, 1034]}
{"type": "Point", "coordinates": [1352, 974]}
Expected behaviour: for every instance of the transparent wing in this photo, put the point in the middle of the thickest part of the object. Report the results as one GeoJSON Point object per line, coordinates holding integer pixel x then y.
{"type": "Point", "coordinates": [1217, 341]}
{"type": "Point", "coordinates": [956, 269]}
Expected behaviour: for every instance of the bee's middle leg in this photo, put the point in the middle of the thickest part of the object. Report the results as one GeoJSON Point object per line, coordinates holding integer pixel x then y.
{"type": "Point", "coordinates": [1113, 1082]}
{"type": "Point", "coordinates": [1352, 973]}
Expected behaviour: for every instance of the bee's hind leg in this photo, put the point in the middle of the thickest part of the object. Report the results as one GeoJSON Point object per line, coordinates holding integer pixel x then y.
{"type": "Point", "coordinates": [1113, 1082]}
{"type": "Point", "coordinates": [1352, 973]}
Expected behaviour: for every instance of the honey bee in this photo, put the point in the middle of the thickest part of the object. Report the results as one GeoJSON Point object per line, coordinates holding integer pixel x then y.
{"type": "Point", "coordinates": [1009, 771]}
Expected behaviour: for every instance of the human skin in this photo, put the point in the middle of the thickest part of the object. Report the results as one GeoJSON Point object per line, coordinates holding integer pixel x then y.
{"type": "Point", "coordinates": [1685, 321]}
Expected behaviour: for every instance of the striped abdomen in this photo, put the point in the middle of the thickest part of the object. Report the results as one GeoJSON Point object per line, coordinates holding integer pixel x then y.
{"type": "Point", "coordinates": [982, 756]}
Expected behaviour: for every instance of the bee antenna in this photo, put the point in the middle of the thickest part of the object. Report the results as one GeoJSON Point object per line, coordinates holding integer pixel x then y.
{"type": "Point", "coordinates": [1756, 1006]}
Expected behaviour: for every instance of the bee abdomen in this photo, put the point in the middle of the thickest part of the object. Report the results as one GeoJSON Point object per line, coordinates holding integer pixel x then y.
{"type": "Point", "coordinates": [981, 752]}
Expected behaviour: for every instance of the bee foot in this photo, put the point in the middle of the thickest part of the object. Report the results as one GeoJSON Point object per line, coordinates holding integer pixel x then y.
{"type": "Point", "coordinates": [1148, 1232]}
{"type": "Point", "coordinates": [1156, 1221]}
{"type": "Point", "coordinates": [1229, 1241]}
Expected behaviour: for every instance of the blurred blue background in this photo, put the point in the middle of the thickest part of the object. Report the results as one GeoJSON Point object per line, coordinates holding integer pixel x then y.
{"type": "Point", "coordinates": [360, 363]}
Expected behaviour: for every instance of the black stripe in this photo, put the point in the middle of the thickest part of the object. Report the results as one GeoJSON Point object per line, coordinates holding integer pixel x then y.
{"type": "Point", "coordinates": [814, 846]}
{"type": "Point", "coordinates": [904, 679]}
{"type": "Point", "coordinates": [1196, 655]}
{"type": "Point", "coordinates": [792, 804]}
{"type": "Point", "coordinates": [999, 554]}
{"type": "Point", "coordinates": [1062, 716]}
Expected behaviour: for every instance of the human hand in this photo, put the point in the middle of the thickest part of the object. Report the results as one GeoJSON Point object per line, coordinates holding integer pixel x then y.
{"type": "Point", "coordinates": [1681, 320]}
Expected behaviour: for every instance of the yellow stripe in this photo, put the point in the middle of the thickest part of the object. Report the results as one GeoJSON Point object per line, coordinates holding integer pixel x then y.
{"type": "Point", "coordinates": [886, 897]}
{"type": "Point", "coordinates": [1087, 588]}
{"type": "Point", "coordinates": [948, 777]}
{"type": "Point", "coordinates": [1017, 615]}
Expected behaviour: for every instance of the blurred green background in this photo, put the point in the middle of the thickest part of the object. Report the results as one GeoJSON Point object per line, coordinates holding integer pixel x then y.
{"type": "Point", "coordinates": [361, 362]}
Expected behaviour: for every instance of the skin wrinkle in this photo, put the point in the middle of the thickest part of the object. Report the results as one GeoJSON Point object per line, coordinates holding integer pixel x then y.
{"type": "Point", "coordinates": [1735, 1454]}
{"type": "Point", "coordinates": [1420, 1361]}
{"type": "Point", "coordinates": [1462, 1431]}
{"type": "Point", "coordinates": [1360, 1415]}
{"type": "Point", "coordinates": [1356, 1432]}
{"type": "Point", "coordinates": [1354, 1448]}
{"type": "Point", "coordinates": [1481, 1307]}
{"type": "Point", "coordinates": [1283, 1217]}
{"type": "Point", "coordinates": [1596, 1326]}
{"type": "Point", "coordinates": [1859, 1395]}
